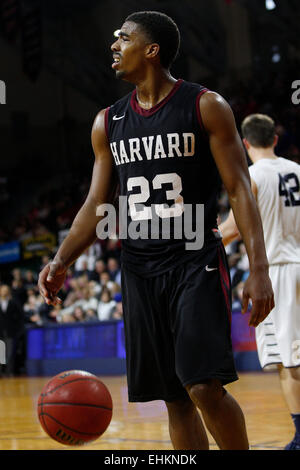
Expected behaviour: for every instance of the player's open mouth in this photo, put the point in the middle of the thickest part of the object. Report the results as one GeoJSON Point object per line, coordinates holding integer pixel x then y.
{"type": "Point", "coordinates": [116, 61]}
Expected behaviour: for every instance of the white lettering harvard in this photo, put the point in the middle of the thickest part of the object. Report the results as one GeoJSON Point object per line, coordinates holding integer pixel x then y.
{"type": "Point", "coordinates": [153, 147]}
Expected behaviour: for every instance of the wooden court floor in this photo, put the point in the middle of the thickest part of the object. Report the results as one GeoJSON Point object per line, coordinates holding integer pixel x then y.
{"type": "Point", "coordinates": [137, 426]}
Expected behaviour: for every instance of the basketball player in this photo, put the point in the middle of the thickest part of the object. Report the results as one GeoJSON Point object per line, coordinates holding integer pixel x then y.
{"type": "Point", "coordinates": [275, 184]}
{"type": "Point", "coordinates": [169, 142]}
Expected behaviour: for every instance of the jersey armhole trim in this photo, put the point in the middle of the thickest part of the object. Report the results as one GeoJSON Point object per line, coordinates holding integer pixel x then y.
{"type": "Point", "coordinates": [198, 111]}
{"type": "Point", "coordinates": [106, 122]}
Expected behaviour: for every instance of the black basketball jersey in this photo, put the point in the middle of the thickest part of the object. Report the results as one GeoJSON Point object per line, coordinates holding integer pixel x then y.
{"type": "Point", "coordinates": [166, 170]}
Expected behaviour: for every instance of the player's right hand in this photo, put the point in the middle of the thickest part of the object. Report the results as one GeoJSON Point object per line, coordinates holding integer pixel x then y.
{"type": "Point", "coordinates": [258, 288]}
{"type": "Point", "coordinates": [51, 280]}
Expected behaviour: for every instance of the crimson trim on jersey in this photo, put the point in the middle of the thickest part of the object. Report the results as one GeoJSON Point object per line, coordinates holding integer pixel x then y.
{"type": "Point", "coordinates": [149, 112]}
{"type": "Point", "coordinates": [198, 109]}
{"type": "Point", "coordinates": [106, 122]}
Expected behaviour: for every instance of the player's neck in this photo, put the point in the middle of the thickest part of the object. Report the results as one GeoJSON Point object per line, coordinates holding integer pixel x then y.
{"type": "Point", "coordinates": [256, 153]}
{"type": "Point", "coordinates": [154, 88]}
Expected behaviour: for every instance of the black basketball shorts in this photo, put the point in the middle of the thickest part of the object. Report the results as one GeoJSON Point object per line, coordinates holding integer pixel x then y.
{"type": "Point", "coordinates": [177, 328]}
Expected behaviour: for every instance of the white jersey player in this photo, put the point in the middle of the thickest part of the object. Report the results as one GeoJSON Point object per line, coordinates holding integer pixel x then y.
{"type": "Point", "coordinates": [275, 183]}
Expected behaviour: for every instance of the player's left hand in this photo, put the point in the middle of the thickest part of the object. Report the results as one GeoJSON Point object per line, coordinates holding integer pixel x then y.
{"type": "Point", "coordinates": [258, 288]}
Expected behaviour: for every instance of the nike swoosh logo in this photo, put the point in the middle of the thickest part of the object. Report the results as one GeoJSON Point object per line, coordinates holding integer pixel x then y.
{"type": "Point", "coordinates": [116, 118]}
{"type": "Point", "coordinates": [210, 269]}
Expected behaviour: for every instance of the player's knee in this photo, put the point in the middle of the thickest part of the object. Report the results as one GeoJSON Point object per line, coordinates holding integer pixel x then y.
{"type": "Point", "coordinates": [179, 407]}
{"type": "Point", "coordinates": [206, 395]}
{"type": "Point", "coordinates": [289, 373]}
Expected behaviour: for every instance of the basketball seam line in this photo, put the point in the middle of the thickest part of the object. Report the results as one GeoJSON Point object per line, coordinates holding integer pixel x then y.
{"type": "Point", "coordinates": [76, 404]}
{"type": "Point", "coordinates": [96, 433]}
{"type": "Point", "coordinates": [69, 382]}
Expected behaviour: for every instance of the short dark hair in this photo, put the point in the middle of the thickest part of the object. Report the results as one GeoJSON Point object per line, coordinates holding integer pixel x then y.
{"type": "Point", "coordinates": [259, 130]}
{"type": "Point", "coordinates": [159, 28]}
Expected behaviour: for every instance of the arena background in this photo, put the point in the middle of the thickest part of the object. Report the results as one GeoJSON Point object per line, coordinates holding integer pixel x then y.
{"type": "Point", "coordinates": [56, 75]}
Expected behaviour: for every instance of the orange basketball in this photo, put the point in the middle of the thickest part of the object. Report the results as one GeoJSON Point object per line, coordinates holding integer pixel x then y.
{"type": "Point", "coordinates": [75, 407]}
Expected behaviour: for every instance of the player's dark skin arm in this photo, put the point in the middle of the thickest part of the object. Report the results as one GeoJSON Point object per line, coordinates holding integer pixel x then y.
{"type": "Point", "coordinates": [229, 155]}
{"type": "Point", "coordinates": [83, 230]}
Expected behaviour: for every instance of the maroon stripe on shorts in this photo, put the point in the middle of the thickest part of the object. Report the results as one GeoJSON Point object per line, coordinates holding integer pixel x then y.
{"type": "Point", "coordinates": [225, 282]}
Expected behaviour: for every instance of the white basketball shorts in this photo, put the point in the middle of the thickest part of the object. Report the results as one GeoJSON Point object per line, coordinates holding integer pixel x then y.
{"type": "Point", "coordinates": [278, 336]}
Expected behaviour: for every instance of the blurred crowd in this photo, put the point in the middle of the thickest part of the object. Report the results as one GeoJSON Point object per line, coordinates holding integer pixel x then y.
{"type": "Point", "coordinates": [270, 92]}
{"type": "Point", "coordinates": [239, 271]}
{"type": "Point", "coordinates": [91, 292]}
{"type": "Point", "coordinates": [52, 212]}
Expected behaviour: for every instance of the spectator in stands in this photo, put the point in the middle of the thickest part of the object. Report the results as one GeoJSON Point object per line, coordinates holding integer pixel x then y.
{"type": "Point", "coordinates": [237, 296]}
{"type": "Point", "coordinates": [86, 263]}
{"type": "Point", "coordinates": [81, 268]}
{"type": "Point", "coordinates": [105, 281]}
{"type": "Point", "coordinates": [30, 280]}
{"type": "Point", "coordinates": [118, 311]}
{"type": "Point", "coordinates": [54, 314]}
{"type": "Point", "coordinates": [38, 229]}
{"type": "Point", "coordinates": [43, 211]}
{"type": "Point", "coordinates": [243, 263]}
{"type": "Point", "coordinates": [21, 231]}
{"type": "Point", "coordinates": [18, 291]}
{"type": "Point", "coordinates": [31, 309]}
{"type": "Point", "coordinates": [62, 222]}
{"type": "Point", "coordinates": [44, 313]}
{"type": "Point", "coordinates": [87, 300]}
{"type": "Point", "coordinates": [115, 289]}
{"type": "Point", "coordinates": [106, 305]}
{"type": "Point", "coordinates": [236, 273]}
{"type": "Point", "coordinates": [45, 260]}
{"type": "Point", "coordinates": [96, 288]}
{"type": "Point", "coordinates": [11, 327]}
{"type": "Point", "coordinates": [75, 292]}
{"type": "Point", "coordinates": [17, 274]}
{"type": "Point", "coordinates": [114, 270]}
{"type": "Point", "coordinates": [66, 318]}
{"type": "Point", "coordinates": [113, 248]}
{"type": "Point", "coordinates": [30, 292]}
{"type": "Point", "coordinates": [67, 287]}
{"type": "Point", "coordinates": [79, 314]}
{"type": "Point", "coordinates": [91, 315]}
{"type": "Point", "coordinates": [100, 267]}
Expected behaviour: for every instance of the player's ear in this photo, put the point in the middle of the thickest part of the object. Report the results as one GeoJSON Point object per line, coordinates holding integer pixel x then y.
{"type": "Point", "coordinates": [152, 50]}
{"type": "Point", "coordinates": [246, 144]}
{"type": "Point", "coordinates": [275, 140]}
